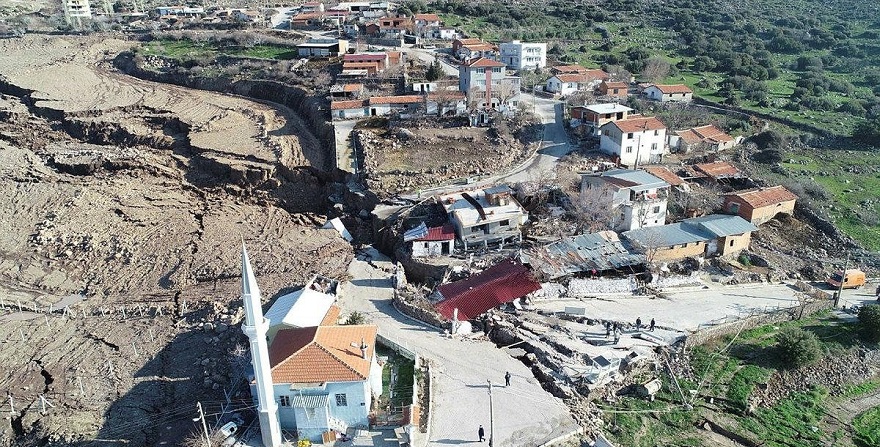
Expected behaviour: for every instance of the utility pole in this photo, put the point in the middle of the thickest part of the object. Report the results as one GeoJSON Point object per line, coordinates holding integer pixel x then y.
{"type": "Point", "coordinates": [204, 424]}
{"type": "Point", "coordinates": [491, 416]}
{"type": "Point", "coordinates": [842, 280]}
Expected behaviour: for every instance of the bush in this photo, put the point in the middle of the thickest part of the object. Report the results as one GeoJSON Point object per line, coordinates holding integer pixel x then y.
{"type": "Point", "coordinates": [797, 347]}
{"type": "Point", "coordinates": [355, 319]}
{"type": "Point", "coordinates": [869, 320]}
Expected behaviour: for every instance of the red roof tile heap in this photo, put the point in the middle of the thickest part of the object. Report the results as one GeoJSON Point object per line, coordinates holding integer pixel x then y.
{"type": "Point", "coordinates": [321, 354]}
{"type": "Point", "coordinates": [501, 283]}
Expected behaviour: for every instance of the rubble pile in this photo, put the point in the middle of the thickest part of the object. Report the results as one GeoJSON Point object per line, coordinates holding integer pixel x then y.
{"type": "Point", "coordinates": [831, 372]}
{"type": "Point", "coordinates": [591, 287]}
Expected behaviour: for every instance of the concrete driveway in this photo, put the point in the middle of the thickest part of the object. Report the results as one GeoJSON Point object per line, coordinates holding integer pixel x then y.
{"type": "Point", "coordinates": [525, 414]}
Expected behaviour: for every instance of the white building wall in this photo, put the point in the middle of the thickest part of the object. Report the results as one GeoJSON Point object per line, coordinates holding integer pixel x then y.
{"type": "Point", "coordinates": [519, 55]}
{"type": "Point", "coordinates": [649, 145]}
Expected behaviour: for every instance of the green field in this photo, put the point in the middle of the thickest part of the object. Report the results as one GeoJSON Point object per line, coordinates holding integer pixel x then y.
{"type": "Point", "coordinates": [730, 371]}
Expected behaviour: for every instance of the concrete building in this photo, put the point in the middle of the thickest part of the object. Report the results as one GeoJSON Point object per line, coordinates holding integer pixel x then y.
{"type": "Point", "coordinates": [759, 205]}
{"type": "Point", "coordinates": [427, 242]}
{"type": "Point", "coordinates": [669, 93]}
{"type": "Point", "coordinates": [634, 198]}
{"type": "Point", "coordinates": [322, 47]}
{"type": "Point", "coordinates": [483, 217]}
{"type": "Point", "coordinates": [635, 140]}
{"type": "Point", "coordinates": [567, 83]}
{"type": "Point", "coordinates": [77, 9]}
{"type": "Point", "coordinates": [523, 55]}
{"type": "Point", "coordinates": [487, 76]}
{"type": "Point", "coordinates": [713, 235]}
{"type": "Point", "coordinates": [592, 117]}
{"type": "Point", "coordinates": [427, 25]}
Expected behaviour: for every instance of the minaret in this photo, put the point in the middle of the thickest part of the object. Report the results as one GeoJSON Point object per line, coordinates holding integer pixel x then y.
{"type": "Point", "coordinates": [255, 327]}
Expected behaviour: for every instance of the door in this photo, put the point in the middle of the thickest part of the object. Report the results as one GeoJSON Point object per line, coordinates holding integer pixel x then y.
{"type": "Point", "coordinates": [712, 247]}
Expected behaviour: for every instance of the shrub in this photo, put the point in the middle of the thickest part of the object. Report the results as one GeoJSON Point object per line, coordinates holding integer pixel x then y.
{"type": "Point", "coordinates": [869, 320]}
{"type": "Point", "coordinates": [797, 347]}
{"type": "Point", "coordinates": [355, 318]}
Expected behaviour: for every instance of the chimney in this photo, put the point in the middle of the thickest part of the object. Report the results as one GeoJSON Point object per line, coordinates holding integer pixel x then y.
{"type": "Point", "coordinates": [363, 349]}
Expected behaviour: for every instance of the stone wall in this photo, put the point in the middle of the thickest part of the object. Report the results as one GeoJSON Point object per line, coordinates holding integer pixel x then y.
{"type": "Point", "coordinates": [704, 335]}
{"type": "Point", "coordinates": [410, 309]}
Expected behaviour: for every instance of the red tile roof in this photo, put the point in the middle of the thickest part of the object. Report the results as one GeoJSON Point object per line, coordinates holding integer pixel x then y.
{"type": "Point", "coordinates": [638, 124]}
{"type": "Point", "coordinates": [665, 174]}
{"type": "Point", "coordinates": [444, 233]}
{"type": "Point", "coordinates": [501, 283]}
{"type": "Point", "coordinates": [712, 133]}
{"type": "Point", "coordinates": [427, 17]}
{"type": "Point", "coordinates": [479, 46]}
{"type": "Point", "coordinates": [616, 84]}
{"type": "Point", "coordinates": [446, 94]}
{"type": "Point", "coordinates": [321, 354]}
{"type": "Point", "coordinates": [364, 57]}
{"type": "Point", "coordinates": [584, 76]}
{"type": "Point", "coordinates": [410, 99]}
{"type": "Point", "coordinates": [352, 87]}
{"type": "Point", "coordinates": [761, 197]}
{"type": "Point", "coordinates": [345, 105]}
{"type": "Point", "coordinates": [676, 88]}
{"type": "Point", "coordinates": [482, 62]}
{"type": "Point", "coordinates": [569, 69]}
{"type": "Point", "coordinates": [718, 169]}
{"type": "Point", "coordinates": [332, 316]}
{"type": "Point", "coordinates": [468, 41]}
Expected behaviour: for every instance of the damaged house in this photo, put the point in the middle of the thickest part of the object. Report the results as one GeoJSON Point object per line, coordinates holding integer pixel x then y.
{"type": "Point", "coordinates": [472, 297]}
{"type": "Point", "coordinates": [481, 218]}
{"type": "Point", "coordinates": [634, 198]}
{"type": "Point", "coordinates": [585, 253]}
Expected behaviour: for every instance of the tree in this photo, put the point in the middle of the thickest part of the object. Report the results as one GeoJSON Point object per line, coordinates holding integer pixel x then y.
{"type": "Point", "coordinates": [869, 322]}
{"type": "Point", "coordinates": [868, 131]}
{"type": "Point", "coordinates": [355, 318]}
{"type": "Point", "coordinates": [591, 210]}
{"type": "Point", "coordinates": [435, 71]}
{"type": "Point", "coordinates": [618, 74]}
{"type": "Point", "coordinates": [506, 90]}
{"type": "Point", "coordinates": [581, 98]}
{"type": "Point", "coordinates": [656, 69]}
{"type": "Point", "coordinates": [797, 347]}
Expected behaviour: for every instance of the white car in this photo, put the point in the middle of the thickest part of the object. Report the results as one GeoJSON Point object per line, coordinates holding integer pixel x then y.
{"type": "Point", "coordinates": [228, 430]}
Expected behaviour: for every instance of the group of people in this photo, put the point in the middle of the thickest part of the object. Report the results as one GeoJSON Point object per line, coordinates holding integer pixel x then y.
{"type": "Point", "coordinates": [614, 328]}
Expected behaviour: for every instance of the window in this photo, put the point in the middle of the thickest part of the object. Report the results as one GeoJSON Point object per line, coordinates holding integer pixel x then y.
{"type": "Point", "coordinates": [656, 209]}
{"type": "Point", "coordinates": [629, 136]}
{"type": "Point", "coordinates": [731, 242]}
{"type": "Point", "coordinates": [504, 222]}
{"type": "Point", "coordinates": [481, 70]}
{"type": "Point", "coordinates": [653, 147]}
{"type": "Point", "coordinates": [656, 132]}
{"type": "Point", "coordinates": [734, 208]}
{"type": "Point", "coordinates": [629, 149]}
{"type": "Point", "coordinates": [496, 69]}
{"type": "Point", "coordinates": [341, 400]}
{"type": "Point", "coordinates": [285, 401]}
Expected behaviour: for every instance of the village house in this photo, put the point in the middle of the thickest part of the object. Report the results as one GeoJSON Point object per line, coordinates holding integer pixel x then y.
{"type": "Point", "coordinates": [635, 140]}
{"type": "Point", "coordinates": [306, 20]}
{"type": "Point", "coordinates": [477, 50]}
{"type": "Point", "coordinates": [487, 76]}
{"type": "Point", "coordinates": [669, 93]}
{"type": "Point", "coordinates": [668, 176]}
{"type": "Point", "coordinates": [617, 90]}
{"type": "Point", "coordinates": [713, 235]}
{"type": "Point", "coordinates": [567, 83]}
{"type": "Point", "coordinates": [633, 198]}
{"type": "Point", "coordinates": [313, 305]}
{"type": "Point", "coordinates": [435, 241]}
{"type": "Point", "coordinates": [585, 253]}
{"type": "Point", "coordinates": [447, 33]}
{"type": "Point", "coordinates": [519, 55]}
{"type": "Point", "coordinates": [349, 109]}
{"type": "Point", "coordinates": [469, 298]}
{"type": "Point", "coordinates": [322, 47]}
{"type": "Point", "coordinates": [717, 171]}
{"type": "Point", "coordinates": [485, 217]}
{"type": "Point", "coordinates": [759, 205]}
{"type": "Point", "coordinates": [459, 42]}
{"type": "Point", "coordinates": [325, 378]}
{"type": "Point", "coordinates": [404, 104]}
{"type": "Point", "coordinates": [446, 103]}
{"type": "Point", "coordinates": [180, 11]}
{"type": "Point", "coordinates": [346, 91]}
{"type": "Point", "coordinates": [708, 138]}
{"type": "Point", "coordinates": [395, 27]}
{"type": "Point", "coordinates": [569, 69]}
{"type": "Point", "coordinates": [592, 117]}
{"type": "Point", "coordinates": [427, 25]}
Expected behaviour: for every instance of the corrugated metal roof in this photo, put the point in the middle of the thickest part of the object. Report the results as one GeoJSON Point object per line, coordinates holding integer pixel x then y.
{"type": "Point", "coordinates": [501, 283]}
{"type": "Point", "coordinates": [583, 253]}
{"type": "Point", "coordinates": [721, 225]}
{"type": "Point", "coordinates": [667, 235]}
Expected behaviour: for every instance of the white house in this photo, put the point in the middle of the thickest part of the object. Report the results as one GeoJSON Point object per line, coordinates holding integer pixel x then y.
{"type": "Point", "coordinates": [487, 76]}
{"type": "Point", "coordinates": [427, 25]}
{"type": "Point", "coordinates": [447, 33]}
{"type": "Point", "coordinates": [635, 140]}
{"type": "Point", "coordinates": [523, 55]}
{"type": "Point", "coordinates": [568, 83]}
{"type": "Point", "coordinates": [325, 378]}
{"type": "Point", "coordinates": [435, 241]}
{"type": "Point", "coordinates": [669, 93]}
{"type": "Point", "coordinates": [636, 198]}
{"type": "Point", "coordinates": [446, 103]}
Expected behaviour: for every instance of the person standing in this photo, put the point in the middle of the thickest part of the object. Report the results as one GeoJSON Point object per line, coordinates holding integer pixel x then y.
{"type": "Point", "coordinates": [638, 323]}
{"type": "Point", "coordinates": [481, 433]}
{"type": "Point", "coordinates": [653, 323]}
{"type": "Point", "coordinates": [507, 379]}
{"type": "Point", "coordinates": [877, 293]}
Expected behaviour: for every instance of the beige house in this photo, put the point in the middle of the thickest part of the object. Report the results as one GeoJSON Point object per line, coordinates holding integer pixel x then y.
{"type": "Point", "coordinates": [760, 204]}
{"type": "Point", "coordinates": [713, 235]}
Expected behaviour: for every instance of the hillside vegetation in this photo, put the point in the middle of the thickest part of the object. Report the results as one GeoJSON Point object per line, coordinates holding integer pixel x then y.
{"type": "Point", "coordinates": [814, 62]}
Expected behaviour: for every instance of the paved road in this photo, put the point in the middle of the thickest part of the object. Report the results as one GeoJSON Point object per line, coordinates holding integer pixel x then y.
{"type": "Point", "coordinates": [525, 414]}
